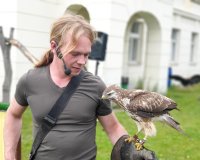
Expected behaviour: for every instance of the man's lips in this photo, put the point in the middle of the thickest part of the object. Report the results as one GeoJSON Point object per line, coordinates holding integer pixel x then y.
{"type": "Point", "coordinates": [76, 68]}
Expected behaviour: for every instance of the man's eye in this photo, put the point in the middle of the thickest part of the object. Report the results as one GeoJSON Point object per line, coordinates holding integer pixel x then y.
{"type": "Point", "coordinates": [75, 54]}
{"type": "Point", "coordinates": [110, 93]}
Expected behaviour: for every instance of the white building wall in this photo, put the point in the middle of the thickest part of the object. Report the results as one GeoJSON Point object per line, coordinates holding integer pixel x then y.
{"type": "Point", "coordinates": [32, 20]}
{"type": "Point", "coordinates": [187, 20]}
{"type": "Point", "coordinates": [8, 19]}
{"type": "Point", "coordinates": [154, 53]}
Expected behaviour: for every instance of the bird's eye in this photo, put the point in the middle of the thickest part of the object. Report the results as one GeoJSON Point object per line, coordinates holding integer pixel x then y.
{"type": "Point", "coordinates": [110, 93]}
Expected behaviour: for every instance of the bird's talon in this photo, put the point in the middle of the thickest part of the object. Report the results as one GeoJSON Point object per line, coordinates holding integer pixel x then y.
{"type": "Point", "coordinates": [138, 143]}
{"type": "Point", "coordinates": [142, 141]}
{"type": "Point", "coordinates": [138, 146]}
{"type": "Point", "coordinates": [129, 140]}
{"type": "Point", "coordinates": [135, 139]}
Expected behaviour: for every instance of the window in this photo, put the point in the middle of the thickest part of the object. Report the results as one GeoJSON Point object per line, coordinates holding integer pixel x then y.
{"type": "Point", "coordinates": [193, 49]}
{"type": "Point", "coordinates": [175, 43]}
{"type": "Point", "coordinates": [135, 39]}
{"type": "Point", "coordinates": [196, 1]}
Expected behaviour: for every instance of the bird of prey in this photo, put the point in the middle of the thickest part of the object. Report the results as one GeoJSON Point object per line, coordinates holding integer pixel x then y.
{"type": "Point", "coordinates": [144, 107]}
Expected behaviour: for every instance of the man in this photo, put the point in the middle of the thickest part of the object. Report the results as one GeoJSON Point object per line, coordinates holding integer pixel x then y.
{"type": "Point", "coordinates": [73, 137]}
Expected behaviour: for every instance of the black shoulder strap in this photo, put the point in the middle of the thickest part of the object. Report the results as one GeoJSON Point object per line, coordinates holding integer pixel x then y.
{"type": "Point", "coordinates": [49, 121]}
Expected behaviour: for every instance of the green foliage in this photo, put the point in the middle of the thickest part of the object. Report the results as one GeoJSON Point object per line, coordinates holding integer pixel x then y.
{"type": "Point", "coordinates": [3, 106]}
{"type": "Point", "coordinates": [168, 144]}
{"type": "Point", "coordinates": [26, 136]}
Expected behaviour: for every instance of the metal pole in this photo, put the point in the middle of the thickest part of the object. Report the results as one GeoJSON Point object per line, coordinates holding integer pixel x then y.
{"type": "Point", "coordinates": [96, 69]}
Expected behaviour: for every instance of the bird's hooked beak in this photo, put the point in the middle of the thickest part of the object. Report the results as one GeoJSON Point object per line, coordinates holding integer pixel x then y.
{"type": "Point", "coordinates": [103, 97]}
{"type": "Point", "coordinates": [109, 95]}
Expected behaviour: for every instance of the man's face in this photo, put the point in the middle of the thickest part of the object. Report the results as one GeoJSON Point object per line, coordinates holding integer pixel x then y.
{"type": "Point", "coordinates": [77, 58]}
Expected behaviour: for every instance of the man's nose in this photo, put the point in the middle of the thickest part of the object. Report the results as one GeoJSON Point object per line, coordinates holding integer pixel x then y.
{"type": "Point", "coordinates": [82, 59]}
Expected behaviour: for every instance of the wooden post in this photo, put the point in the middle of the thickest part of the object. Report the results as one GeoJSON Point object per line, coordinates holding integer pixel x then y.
{"type": "Point", "coordinates": [23, 50]}
{"type": "Point", "coordinates": [5, 47]}
{"type": "Point", "coordinates": [6, 44]}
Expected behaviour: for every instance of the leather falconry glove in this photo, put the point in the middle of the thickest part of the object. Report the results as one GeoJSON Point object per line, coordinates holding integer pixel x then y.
{"type": "Point", "coordinates": [123, 150]}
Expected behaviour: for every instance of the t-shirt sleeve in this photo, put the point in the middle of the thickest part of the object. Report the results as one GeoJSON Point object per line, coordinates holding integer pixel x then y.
{"type": "Point", "coordinates": [20, 92]}
{"type": "Point", "coordinates": [104, 107]}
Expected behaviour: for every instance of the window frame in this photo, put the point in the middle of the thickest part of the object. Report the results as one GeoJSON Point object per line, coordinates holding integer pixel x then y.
{"type": "Point", "coordinates": [194, 47]}
{"type": "Point", "coordinates": [135, 39]}
{"type": "Point", "coordinates": [175, 42]}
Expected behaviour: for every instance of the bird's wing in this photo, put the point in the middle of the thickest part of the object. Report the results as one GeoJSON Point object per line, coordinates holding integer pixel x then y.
{"type": "Point", "coordinates": [150, 104]}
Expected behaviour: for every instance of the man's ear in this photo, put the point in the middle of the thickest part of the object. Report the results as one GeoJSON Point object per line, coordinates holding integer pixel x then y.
{"type": "Point", "coordinates": [53, 45]}
{"type": "Point", "coordinates": [55, 49]}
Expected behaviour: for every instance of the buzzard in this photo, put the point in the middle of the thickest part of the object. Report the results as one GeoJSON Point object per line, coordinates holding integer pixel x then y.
{"type": "Point", "coordinates": [144, 107]}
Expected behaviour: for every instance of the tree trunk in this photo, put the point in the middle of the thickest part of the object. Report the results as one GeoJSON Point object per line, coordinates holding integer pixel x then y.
{"type": "Point", "coordinates": [5, 47]}
{"type": "Point", "coordinates": [6, 44]}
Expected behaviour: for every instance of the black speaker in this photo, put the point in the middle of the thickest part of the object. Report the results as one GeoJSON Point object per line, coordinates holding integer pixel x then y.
{"type": "Point", "coordinates": [98, 50]}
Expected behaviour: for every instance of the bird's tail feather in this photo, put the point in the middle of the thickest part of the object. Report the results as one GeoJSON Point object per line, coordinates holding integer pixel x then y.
{"type": "Point", "coordinates": [173, 123]}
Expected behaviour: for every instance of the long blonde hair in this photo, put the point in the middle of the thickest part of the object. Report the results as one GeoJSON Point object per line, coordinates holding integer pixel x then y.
{"type": "Point", "coordinates": [76, 25]}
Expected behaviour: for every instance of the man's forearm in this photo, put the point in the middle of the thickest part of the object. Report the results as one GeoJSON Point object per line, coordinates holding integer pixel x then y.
{"type": "Point", "coordinates": [12, 128]}
{"type": "Point", "coordinates": [118, 132]}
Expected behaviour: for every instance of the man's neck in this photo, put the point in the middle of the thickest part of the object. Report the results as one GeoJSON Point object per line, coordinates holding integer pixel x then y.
{"type": "Point", "coordinates": [58, 76]}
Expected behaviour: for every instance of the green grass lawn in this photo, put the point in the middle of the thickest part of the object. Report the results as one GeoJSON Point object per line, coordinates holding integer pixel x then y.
{"type": "Point", "coordinates": [168, 144]}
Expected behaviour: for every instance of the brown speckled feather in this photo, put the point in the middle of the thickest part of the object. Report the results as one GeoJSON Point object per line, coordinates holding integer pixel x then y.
{"type": "Point", "coordinates": [151, 103]}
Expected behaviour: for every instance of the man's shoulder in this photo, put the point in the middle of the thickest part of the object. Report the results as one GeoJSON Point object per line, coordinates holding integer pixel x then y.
{"type": "Point", "coordinates": [37, 70]}
{"type": "Point", "coordinates": [91, 77]}
{"type": "Point", "coordinates": [35, 74]}
{"type": "Point", "coordinates": [93, 82]}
